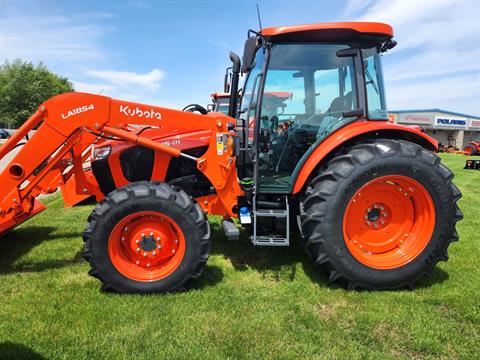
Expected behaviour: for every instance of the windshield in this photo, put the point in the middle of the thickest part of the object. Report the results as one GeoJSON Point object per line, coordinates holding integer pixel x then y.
{"type": "Point", "coordinates": [308, 88]}
{"type": "Point", "coordinates": [248, 104]}
{"type": "Point", "coordinates": [372, 65]}
{"type": "Point", "coordinates": [222, 105]}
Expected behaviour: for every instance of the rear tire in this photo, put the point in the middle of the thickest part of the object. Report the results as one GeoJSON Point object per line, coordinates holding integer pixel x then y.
{"type": "Point", "coordinates": [146, 237]}
{"type": "Point", "coordinates": [360, 241]}
{"type": "Point", "coordinates": [470, 149]}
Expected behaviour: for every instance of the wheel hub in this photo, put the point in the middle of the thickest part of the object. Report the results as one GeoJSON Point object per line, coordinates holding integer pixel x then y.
{"type": "Point", "coordinates": [148, 243]}
{"type": "Point", "coordinates": [377, 216]}
{"type": "Point", "coordinates": [373, 214]}
{"type": "Point", "coordinates": [389, 221]}
{"type": "Point", "coordinates": [146, 246]}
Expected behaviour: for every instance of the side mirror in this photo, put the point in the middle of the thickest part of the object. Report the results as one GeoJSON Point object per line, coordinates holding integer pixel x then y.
{"type": "Point", "coordinates": [227, 80]}
{"type": "Point", "coordinates": [249, 53]}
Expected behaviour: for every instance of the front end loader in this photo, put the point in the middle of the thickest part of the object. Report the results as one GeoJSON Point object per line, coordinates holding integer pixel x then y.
{"type": "Point", "coordinates": [308, 149]}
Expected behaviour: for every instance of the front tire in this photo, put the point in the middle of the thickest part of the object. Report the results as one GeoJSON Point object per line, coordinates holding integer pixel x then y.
{"type": "Point", "coordinates": [145, 238]}
{"type": "Point", "coordinates": [381, 215]}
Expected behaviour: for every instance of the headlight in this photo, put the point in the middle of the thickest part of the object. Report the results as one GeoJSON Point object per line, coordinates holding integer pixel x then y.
{"type": "Point", "coordinates": [101, 153]}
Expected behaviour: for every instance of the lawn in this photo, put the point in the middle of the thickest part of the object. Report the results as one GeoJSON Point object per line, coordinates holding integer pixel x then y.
{"type": "Point", "coordinates": [250, 303]}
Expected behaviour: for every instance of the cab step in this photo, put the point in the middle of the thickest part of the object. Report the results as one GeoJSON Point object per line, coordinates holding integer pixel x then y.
{"type": "Point", "coordinates": [279, 215]}
{"type": "Point", "coordinates": [272, 240]}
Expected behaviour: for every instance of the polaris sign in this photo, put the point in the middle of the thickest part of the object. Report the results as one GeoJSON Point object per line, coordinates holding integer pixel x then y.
{"type": "Point", "coordinates": [441, 121]}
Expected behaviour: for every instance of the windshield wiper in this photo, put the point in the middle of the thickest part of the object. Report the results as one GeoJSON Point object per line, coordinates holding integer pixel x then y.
{"type": "Point", "coordinates": [370, 80]}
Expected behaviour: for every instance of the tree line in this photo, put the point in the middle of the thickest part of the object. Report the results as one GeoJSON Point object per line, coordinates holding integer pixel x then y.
{"type": "Point", "coordinates": [23, 87]}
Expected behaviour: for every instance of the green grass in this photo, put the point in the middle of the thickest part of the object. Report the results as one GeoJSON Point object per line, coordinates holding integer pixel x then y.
{"type": "Point", "coordinates": [250, 303]}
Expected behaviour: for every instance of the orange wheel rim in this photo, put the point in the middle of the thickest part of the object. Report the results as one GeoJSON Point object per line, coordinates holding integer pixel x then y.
{"type": "Point", "coordinates": [468, 150]}
{"type": "Point", "coordinates": [388, 222]}
{"type": "Point", "coordinates": [146, 246]}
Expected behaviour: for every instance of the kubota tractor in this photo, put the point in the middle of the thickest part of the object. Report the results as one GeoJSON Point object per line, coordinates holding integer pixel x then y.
{"type": "Point", "coordinates": [373, 204]}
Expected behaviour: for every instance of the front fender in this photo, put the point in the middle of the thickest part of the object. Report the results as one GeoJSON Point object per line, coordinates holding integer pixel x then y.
{"type": "Point", "coordinates": [348, 133]}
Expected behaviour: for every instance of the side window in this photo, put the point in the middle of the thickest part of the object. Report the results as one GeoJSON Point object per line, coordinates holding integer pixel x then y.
{"type": "Point", "coordinates": [377, 109]}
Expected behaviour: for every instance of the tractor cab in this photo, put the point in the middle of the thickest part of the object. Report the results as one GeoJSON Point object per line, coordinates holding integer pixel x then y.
{"type": "Point", "coordinates": [303, 83]}
{"type": "Point", "coordinates": [220, 102]}
{"type": "Point", "coordinates": [333, 76]}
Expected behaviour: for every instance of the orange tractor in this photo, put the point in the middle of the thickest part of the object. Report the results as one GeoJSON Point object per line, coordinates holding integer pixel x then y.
{"type": "Point", "coordinates": [472, 148]}
{"type": "Point", "coordinates": [373, 204]}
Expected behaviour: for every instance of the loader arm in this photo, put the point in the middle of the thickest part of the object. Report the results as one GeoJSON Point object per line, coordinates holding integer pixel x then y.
{"type": "Point", "coordinates": [68, 124]}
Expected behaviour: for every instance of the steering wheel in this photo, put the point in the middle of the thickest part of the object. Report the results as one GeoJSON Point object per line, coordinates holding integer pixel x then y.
{"type": "Point", "coordinates": [195, 108]}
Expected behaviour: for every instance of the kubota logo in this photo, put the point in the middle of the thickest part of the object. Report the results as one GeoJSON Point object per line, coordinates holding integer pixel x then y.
{"type": "Point", "coordinates": [148, 114]}
{"type": "Point", "coordinates": [78, 110]}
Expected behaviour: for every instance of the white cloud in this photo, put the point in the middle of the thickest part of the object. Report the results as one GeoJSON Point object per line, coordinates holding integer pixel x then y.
{"type": "Point", "coordinates": [51, 39]}
{"type": "Point", "coordinates": [355, 6]}
{"type": "Point", "coordinates": [93, 88]}
{"type": "Point", "coordinates": [428, 23]}
{"type": "Point", "coordinates": [125, 85]}
{"type": "Point", "coordinates": [436, 61]}
{"type": "Point", "coordinates": [458, 91]}
{"type": "Point", "coordinates": [150, 80]}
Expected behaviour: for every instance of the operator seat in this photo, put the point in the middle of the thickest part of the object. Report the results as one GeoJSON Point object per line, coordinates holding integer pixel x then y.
{"type": "Point", "coordinates": [338, 106]}
{"type": "Point", "coordinates": [341, 103]}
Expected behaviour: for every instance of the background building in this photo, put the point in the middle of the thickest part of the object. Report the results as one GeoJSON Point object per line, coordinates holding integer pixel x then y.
{"type": "Point", "coordinates": [447, 127]}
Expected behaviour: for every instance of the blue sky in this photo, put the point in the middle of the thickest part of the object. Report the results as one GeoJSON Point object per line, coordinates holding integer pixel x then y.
{"type": "Point", "coordinates": [171, 53]}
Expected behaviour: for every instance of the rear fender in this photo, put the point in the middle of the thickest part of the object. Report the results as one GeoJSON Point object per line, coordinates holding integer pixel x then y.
{"type": "Point", "coordinates": [352, 133]}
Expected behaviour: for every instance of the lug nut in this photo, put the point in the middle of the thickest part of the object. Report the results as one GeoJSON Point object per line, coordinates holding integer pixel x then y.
{"type": "Point", "coordinates": [143, 234]}
{"type": "Point", "coordinates": [173, 251]}
{"type": "Point", "coordinates": [144, 254]}
{"type": "Point", "coordinates": [123, 238]}
{"type": "Point", "coordinates": [159, 246]}
{"type": "Point", "coordinates": [151, 233]}
{"type": "Point", "coordinates": [137, 241]}
{"type": "Point", "coordinates": [138, 249]}
{"type": "Point", "coordinates": [125, 229]}
{"type": "Point", "coordinates": [148, 264]}
{"type": "Point", "coordinates": [382, 222]}
{"type": "Point", "coordinates": [154, 253]}
{"type": "Point", "coordinates": [375, 226]}
{"type": "Point", "coordinates": [137, 262]}
{"type": "Point", "coordinates": [158, 238]}
{"type": "Point", "coordinates": [176, 241]}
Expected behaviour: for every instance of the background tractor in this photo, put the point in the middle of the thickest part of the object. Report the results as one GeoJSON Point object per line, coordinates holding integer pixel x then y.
{"type": "Point", "coordinates": [472, 148]}
{"type": "Point", "coordinates": [309, 148]}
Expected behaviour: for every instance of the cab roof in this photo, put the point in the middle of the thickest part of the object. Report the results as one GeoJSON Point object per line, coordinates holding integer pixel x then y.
{"type": "Point", "coordinates": [331, 32]}
{"type": "Point", "coordinates": [217, 95]}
